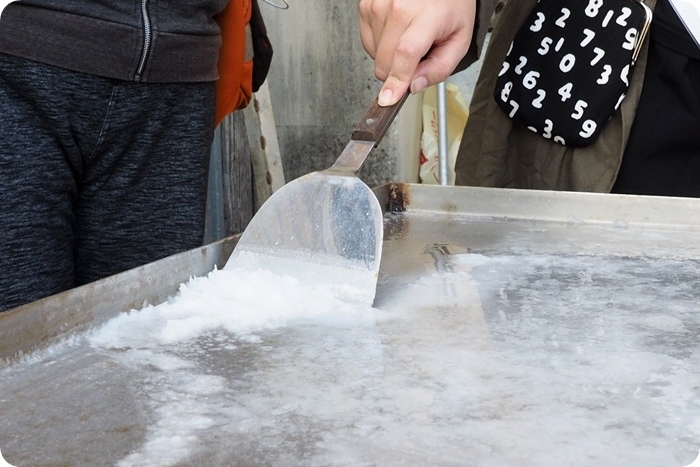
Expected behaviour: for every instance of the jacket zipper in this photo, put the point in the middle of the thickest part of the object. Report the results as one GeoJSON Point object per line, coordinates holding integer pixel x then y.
{"type": "Point", "coordinates": [147, 37]}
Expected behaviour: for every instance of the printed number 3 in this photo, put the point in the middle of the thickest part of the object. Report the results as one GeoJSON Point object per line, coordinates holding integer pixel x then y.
{"type": "Point", "coordinates": [537, 26]}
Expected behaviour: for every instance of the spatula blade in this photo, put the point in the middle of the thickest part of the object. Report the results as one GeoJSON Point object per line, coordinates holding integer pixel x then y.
{"type": "Point", "coordinates": [323, 229]}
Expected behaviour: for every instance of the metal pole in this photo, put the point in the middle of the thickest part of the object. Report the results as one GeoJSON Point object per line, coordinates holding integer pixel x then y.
{"type": "Point", "coordinates": [442, 132]}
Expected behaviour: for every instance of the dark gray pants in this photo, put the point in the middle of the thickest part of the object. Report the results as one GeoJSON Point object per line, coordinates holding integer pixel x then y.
{"type": "Point", "coordinates": [96, 176]}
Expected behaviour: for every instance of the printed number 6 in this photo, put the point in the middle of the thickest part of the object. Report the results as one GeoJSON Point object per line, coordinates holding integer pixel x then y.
{"type": "Point", "coordinates": [530, 79]}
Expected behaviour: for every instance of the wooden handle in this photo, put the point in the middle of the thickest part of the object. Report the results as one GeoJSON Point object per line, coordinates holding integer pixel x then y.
{"type": "Point", "coordinates": [376, 121]}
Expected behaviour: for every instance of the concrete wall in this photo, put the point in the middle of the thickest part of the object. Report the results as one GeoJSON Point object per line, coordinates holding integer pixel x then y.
{"type": "Point", "coordinates": [321, 82]}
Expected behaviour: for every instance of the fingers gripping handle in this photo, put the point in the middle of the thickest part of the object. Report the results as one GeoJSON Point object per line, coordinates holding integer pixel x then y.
{"type": "Point", "coordinates": [376, 121]}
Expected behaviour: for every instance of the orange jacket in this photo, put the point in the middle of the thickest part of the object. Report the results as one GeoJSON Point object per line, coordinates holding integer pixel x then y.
{"type": "Point", "coordinates": [234, 88]}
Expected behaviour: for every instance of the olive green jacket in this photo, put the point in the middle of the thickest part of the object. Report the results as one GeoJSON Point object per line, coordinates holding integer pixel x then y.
{"type": "Point", "coordinates": [496, 152]}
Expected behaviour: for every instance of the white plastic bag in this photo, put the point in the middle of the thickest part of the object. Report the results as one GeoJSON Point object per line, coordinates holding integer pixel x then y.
{"type": "Point", "coordinates": [457, 113]}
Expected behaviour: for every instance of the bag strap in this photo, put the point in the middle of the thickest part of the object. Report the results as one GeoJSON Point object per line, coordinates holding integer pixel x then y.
{"type": "Point", "coordinates": [262, 48]}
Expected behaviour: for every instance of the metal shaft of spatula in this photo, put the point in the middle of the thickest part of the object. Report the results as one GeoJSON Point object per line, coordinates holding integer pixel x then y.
{"type": "Point", "coordinates": [368, 133]}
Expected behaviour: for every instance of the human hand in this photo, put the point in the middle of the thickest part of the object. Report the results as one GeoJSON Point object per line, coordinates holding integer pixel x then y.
{"type": "Point", "coordinates": [397, 34]}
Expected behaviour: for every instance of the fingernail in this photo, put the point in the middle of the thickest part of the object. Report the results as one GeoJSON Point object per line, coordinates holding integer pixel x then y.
{"type": "Point", "coordinates": [418, 85]}
{"type": "Point", "coordinates": [385, 97]}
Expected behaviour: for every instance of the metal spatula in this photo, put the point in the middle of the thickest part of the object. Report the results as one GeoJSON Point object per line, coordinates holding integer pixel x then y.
{"type": "Point", "coordinates": [324, 228]}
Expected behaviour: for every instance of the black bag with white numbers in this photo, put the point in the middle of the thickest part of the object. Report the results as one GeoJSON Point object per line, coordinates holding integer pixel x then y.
{"type": "Point", "coordinates": [569, 66]}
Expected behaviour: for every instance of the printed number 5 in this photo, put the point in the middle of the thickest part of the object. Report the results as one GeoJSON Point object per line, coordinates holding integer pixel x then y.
{"type": "Point", "coordinates": [579, 107]}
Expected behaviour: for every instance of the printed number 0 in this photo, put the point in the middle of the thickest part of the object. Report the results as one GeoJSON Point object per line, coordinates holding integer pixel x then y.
{"type": "Point", "coordinates": [567, 63]}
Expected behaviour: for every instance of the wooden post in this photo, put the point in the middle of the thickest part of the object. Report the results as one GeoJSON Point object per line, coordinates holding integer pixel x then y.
{"type": "Point", "coordinates": [268, 175]}
{"type": "Point", "coordinates": [237, 178]}
{"type": "Point", "coordinates": [246, 167]}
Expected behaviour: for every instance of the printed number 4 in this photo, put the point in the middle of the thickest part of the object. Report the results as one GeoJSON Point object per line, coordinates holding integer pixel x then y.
{"type": "Point", "coordinates": [565, 91]}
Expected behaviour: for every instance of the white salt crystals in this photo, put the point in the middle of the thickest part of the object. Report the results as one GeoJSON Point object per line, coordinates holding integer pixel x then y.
{"type": "Point", "coordinates": [239, 302]}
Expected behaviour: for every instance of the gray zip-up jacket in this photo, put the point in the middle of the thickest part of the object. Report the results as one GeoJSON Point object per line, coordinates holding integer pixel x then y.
{"type": "Point", "coordinates": [136, 40]}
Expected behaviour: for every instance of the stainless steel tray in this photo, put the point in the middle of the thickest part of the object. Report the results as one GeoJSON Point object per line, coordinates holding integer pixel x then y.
{"type": "Point", "coordinates": [509, 328]}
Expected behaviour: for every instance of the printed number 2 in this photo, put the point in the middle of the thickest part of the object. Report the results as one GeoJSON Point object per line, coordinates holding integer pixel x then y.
{"type": "Point", "coordinates": [541, 94]}
{"type": "Point", "coordinates": [565, 13]}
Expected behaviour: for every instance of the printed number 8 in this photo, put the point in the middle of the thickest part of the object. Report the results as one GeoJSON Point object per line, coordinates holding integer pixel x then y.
{"type": "Point", "coordinates": [593, 8]}
{"type": "Point", "coordinates": [505, 93]}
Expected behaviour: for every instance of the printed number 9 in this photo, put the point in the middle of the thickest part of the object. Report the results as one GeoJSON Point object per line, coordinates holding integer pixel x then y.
{"type": "Point", "coordinates": [630, 36]}
{"type": "Point", "coordinates": [588, 128]}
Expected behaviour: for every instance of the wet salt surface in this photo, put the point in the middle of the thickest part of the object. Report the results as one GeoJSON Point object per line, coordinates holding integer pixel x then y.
{"type": "Point", "coordinates": [474, 355]}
